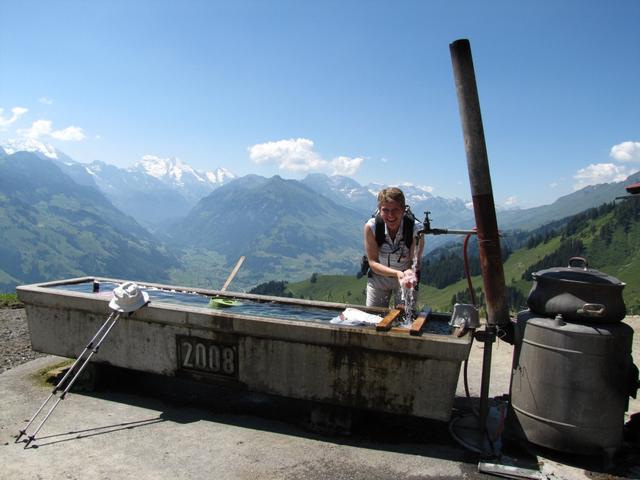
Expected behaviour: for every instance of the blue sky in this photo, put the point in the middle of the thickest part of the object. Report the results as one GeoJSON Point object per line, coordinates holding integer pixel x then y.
{"type": "Point", "coordinates": [363, 88]}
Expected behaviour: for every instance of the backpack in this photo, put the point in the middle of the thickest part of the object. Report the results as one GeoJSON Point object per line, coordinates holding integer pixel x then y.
{"type": "Point", "coordinates": [407, 234]}
{"type": "Point", "coordinates": [407, 227]}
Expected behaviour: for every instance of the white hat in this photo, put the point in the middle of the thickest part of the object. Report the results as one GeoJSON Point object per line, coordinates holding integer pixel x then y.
{"type": "Point", "coordinates": [128, 298]}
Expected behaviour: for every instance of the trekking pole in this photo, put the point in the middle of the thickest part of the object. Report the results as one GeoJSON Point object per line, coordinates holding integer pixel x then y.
{"type": "Point", "coordinates": [108, 324]}
{"type": "Point", "coordinates": [60, 384]}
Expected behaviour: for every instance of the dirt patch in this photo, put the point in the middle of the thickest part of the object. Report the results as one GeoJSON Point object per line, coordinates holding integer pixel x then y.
{"type": "Point", "coordinates": [15, 345]}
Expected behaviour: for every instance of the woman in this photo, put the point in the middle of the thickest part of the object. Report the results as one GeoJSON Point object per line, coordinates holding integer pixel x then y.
{"type": "Point", "coordinates": [391, 256]}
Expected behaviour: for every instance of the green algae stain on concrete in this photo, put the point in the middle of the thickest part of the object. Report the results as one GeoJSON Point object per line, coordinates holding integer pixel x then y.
{"type": "Point", "coordinates": [51, 374]}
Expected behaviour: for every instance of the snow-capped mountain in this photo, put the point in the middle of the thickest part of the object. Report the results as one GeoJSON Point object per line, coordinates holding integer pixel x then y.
{"type": "Point", "coordinates": [173, 172]}
{"type": "Point", "coordinates": [156, 190]}
{"type": "Point", "coordinates": [342, 190]}
{"type": "Point", "coordinates": [153, 191]}
{"type": "Point", "coordinates": [147, 199]}
{"type": "Point", "coordinates": [71, 229]}
{"type": "Point", "coordinates": [415, 193]}
{"type": "Point", "coordinates": [448, 212]}
{"type": "Point", "coordinates": [32, 145]}
{"type": "Point", "coordinates": [445, 212]}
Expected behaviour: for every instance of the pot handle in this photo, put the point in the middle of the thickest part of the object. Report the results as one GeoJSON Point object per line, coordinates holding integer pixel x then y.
{"type": "Point", "coordinates": [579, 262]}
{"type": "Point", "coordinates": [592, 310]}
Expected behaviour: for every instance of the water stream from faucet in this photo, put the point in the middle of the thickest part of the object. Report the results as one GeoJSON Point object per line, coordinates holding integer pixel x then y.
{"type": "Point", "coordinates": [408, 293]}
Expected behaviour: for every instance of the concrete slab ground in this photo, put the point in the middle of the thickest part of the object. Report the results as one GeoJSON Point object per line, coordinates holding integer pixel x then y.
{"type": "Point", "coordinates": [136, 426]}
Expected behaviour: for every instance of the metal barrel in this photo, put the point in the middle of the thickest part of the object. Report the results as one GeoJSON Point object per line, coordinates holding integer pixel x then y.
{"type": "Point", "coordinates": [569, 384]}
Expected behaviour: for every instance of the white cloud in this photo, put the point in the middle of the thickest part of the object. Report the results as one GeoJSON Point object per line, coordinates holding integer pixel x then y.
{"type": "Point", "coordinates": [16, 112]}
{"type": "Point", "coordinates": [69, 134]}
{"type": "Point", "coordinates": [554, 184]}
{"type": "Point", "coordinates": [298, 155]}
{"type": "Point", "coordinates": [600, 173]}
{"type": "Point", "coordinates": [626, 152]}
{"type": "Point", "coordinates": [45, 100]}
{"type": "Point", "coordinates": [345, 165]}
{"type": "Point", "coordinates": [39, 128]}
{"type": "Point", "coordinates": [511, 201]}
{"type": "Point", "coordinates": [44, 128]}
{"type": "Point", "coordinates": [424, 188]}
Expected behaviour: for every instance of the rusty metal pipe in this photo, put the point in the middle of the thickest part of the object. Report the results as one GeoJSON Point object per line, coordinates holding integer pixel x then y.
{"type": "Point", "coordinates": [483, 208]}
{"type": "Point", "coordinates": [480, 180]}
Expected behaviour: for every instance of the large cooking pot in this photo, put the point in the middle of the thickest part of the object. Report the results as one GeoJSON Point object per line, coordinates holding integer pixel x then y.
{"type": "Point", "coordinates": [579, 293]}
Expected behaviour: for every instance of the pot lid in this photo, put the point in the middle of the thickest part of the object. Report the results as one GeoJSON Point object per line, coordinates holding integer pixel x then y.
{"type": "Point", "coordinates": [577, 271]}
{"type": "Point", "coordinates": [633, 188]}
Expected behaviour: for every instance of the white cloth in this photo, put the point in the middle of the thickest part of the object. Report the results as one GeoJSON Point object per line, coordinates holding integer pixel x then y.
{"type": "Point", "coordinates": [353, 316]}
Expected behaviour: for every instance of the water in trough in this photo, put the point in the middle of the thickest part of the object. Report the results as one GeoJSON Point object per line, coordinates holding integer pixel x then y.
{"type": "Point", "coordinates": [268, 309]}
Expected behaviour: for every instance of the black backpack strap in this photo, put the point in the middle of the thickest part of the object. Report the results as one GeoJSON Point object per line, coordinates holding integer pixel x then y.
{"type": "Point", "coordinates": [379, 230]}
{"type": "Point", "coordinates": [407, 229]}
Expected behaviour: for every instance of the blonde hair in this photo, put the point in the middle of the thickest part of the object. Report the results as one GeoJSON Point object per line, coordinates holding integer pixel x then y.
{"type": "Point", "coordinates": [391, 194]}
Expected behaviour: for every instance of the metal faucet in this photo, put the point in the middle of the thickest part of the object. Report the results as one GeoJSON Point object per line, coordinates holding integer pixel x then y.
{"type": "Point", "coordinates": [427, 230]}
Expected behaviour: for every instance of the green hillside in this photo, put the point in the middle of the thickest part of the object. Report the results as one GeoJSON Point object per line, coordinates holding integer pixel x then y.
{"type": "Point", "coordinates": [332, 288]}
{"type": "Point", "coordinates": [608, 236]}
{"type": "Point", "coordinates": [53, 228]}
{"type": "Point", "coordinates": [283, 228]}
{"type": "Point", "coordinates": [349, 289]}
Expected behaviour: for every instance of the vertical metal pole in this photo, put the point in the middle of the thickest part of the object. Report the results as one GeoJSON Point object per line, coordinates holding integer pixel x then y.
{"type": "Point", "coordinates": [483, 207]}
{"type": "Point", "coordinates": [480, 180]}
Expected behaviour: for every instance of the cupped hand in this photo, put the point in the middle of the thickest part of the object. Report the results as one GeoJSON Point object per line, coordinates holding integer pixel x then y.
{"type": "Point", "coordinates": [408, 279]}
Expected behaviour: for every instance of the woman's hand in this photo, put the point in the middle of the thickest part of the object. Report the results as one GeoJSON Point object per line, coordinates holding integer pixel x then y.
{"type": "Point", "coordinates": [407, 278]}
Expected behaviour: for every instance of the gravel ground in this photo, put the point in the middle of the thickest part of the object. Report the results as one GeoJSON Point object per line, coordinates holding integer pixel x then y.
{"type": "Point", "coordinates": [15, 346]}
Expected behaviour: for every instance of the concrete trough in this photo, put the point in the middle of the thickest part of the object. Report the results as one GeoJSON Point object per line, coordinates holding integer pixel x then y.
{"type": "Point", "coordinates": [359, 367]}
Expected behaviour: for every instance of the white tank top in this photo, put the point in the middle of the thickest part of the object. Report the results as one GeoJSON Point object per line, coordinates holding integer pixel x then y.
{"type": "Point", "coordinates": [394, 253]}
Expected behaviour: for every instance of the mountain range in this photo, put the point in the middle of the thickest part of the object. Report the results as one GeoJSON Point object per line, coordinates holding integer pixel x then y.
{"type": "Point", "coordinates": [280, 225]}
{"type": "Point", "coordinates": [348, 192]}
{"type": "Point", "coordinates": [154, 191]}
{"type": "Point", "coordinates": [53, 227]}
{"type": "Point", "coordinates": [565, 206]}
{"type": "Point", "coordinates": [66, 218]}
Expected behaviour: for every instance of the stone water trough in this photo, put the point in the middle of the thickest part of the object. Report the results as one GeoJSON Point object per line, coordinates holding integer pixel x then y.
{"type": "Point", "coordinates": [382, 368]}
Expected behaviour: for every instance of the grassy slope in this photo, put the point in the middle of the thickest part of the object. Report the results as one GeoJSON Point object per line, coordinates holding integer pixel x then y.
{"type": "Point", "coordinates": [514, 267]}
{"type": "Point", "coordinates": [349, 289]}
{"type": "Point", "coordinates": [332, 288]}
{"type": "Point", "coordinates": [619, 259]}
{"type": "Point", "coordinates": [9, 300]}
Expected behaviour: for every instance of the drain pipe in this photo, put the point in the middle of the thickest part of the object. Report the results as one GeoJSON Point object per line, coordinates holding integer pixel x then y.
{"type": "Point", "coordinates": [484, 210]}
